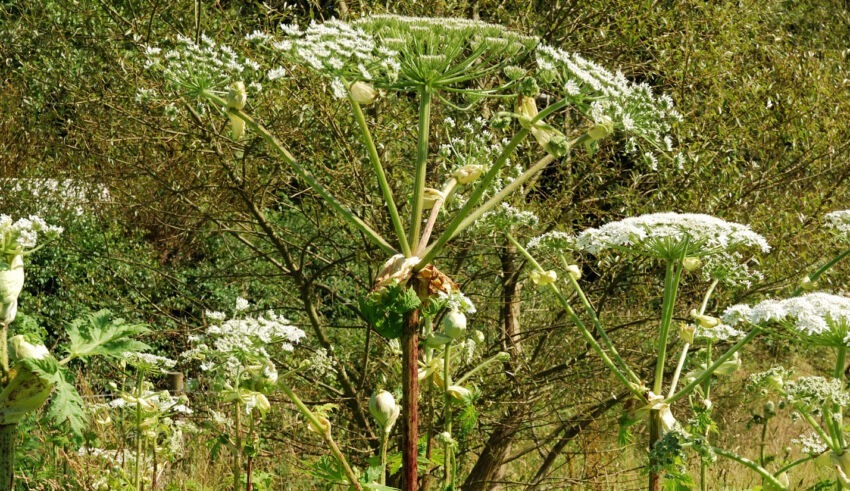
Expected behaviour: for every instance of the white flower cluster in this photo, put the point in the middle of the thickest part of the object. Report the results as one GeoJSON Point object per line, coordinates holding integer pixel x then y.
{"type": "Point", "coordinates": [16, 237]}
{"type": "Point", "coordinates": [720, 332]}
{"type": "Point", "coordinates": [197, 67]}
{"type": "Point", "coordinates": [506, 217]}
{"type": "Point", "coordinates": [341, 50]}
{"type": "Point", "coordinates": [238, 345]}
{"type": "Point", "coordinates": [631, 107]}
{"type": "Point", "coordinates": [554, 241]}
{"type": "Point", "coordinates": [823, 318]}
{"type": "Point", "coordinates": [671, 236]}
{"type": "Point", "coordinates": [811, 444]}
{"type": "Point", "coordinates": [816, 392]}
{"type": "Point", "coordinates": [55, 194]}
{"type": "Point", "coordinates": [148, 362]}
{"type": "Point", "coordinates": [839, 223]}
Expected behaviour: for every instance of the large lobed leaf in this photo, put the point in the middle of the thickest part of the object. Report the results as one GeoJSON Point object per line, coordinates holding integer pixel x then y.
{"type": "Point", "coordinates": [102, 334]}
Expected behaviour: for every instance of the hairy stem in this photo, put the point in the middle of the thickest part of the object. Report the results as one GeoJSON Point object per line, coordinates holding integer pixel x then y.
{"type": "Point", "coordinates": [421, 164]}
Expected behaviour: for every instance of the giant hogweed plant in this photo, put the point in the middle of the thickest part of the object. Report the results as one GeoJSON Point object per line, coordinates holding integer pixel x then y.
{"type": "Point", "coordinates": [705, 248]}
{"type": "Point", "coordinates": [467, 68]}
{"type": "Point", "coordinates": [29, 372]}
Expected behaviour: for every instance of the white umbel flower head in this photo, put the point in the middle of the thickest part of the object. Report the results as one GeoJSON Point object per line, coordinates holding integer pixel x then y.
{"type": "Point", "coordinates": [839, 223]}
{"type": "Point", "coordinates": [670, 236]}
{"type": "Point", "coordinates": [11, 284]}
{"type": "Point", "coordinates": [820, 318]}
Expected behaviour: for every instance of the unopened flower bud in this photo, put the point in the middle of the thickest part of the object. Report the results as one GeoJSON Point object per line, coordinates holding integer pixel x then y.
{"type": "Point", "coordinates": [601, 129]}
{"type": "Point", "coordinates": [237, 96]}
{"type": "Point", "coordinates": [384, 409]}
{"type": "Point", "coordinates": [769, 409]}
{"type": "Point", "coordinates": [454, 324]}
{"type": "Point", "coordinates": [514, 72]}
{"type": "Point", "coordinates": [459, 393]}
{"type": "Point", "coordinates": [574, 271]}
{"type": "Point", "coordinates": [552, 140]}
{"type": "Point", "coordinates": [236, 99]}
{"type": "Point", "coordinates": [543, 278]}
{"type": "Point", "coordinates": [686, 332]}
{"type": "Point", "coordinates": [477, 336]}
{"type": "Point", "coordinates": [445, 438]}
{"type": "Point", "coordinates": [23, 350]}
{"type": "Point", "coordinates": [363, 93]}
{"type": "Point", "coordinates": [704, 321]}
{"type": "Point", "coordinates": [11, 284]}
{"type": "Point", "coordinates": [691, 263]}
{"type": "Point", "coordinates": [526, 107]}
{"type": "Point", "coordinates": [431, 196]}
{"type": "Point", "coordinates": [503, 356]}
{"type": "Point", "coordinates": [468, 174]}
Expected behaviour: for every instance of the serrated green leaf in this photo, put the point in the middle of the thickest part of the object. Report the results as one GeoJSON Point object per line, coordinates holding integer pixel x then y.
{"type": "Point", "coordinates": [66, 404]}
{"type": "Point", "coordinates": [102, 334]}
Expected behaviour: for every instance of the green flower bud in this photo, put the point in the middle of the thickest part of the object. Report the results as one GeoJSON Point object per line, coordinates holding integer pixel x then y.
{"type": "Point", "coordinates": [459, 393]}
{"type": "Point", "coordinates": [691, 264]}
{"type": "Point", "coordinates": [503, 356]}
{"type": "Point", "coordinates": [807, 284]}
{"type": "Point", "coordinates": [23, 350]}
{"type": "Point", "coordinates": [686, 332]}
{"type": "Point", "coordinates": [543, 278]}
{"type": "Point", "coordinates": [601, 129]}
{"type": "Point", "coordinates": [454, 324]}
{"type": "Point", "coordinates": [552, 140]}
{"type": "Point", "coordinates": [468, 174]}
{"type": "Point", "coordinates": [363, 93]}
{"type": "Point", "coordinates": [11, 284]}
{"type": "Point", "coordinates": [384, 409]}
{"type": "Point", "coordinates": [526, 107]}
{"type": "Point", "coordinates": [775, 381]}
{"type": "Point", "coordinates": [704, 321]}
{"type": "Point", "coordinates": [514, 72]}
{"type": "Point", "coordinates": [769, 409]}
{"type": "Point", "coordinates": [574, 271]}
{"type": "Point", "coordinates": [478, 337]}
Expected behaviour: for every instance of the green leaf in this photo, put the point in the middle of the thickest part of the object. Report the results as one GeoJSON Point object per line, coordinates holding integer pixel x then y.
{"type": "Point", "coordinates": [66, 404]}
{"type": "Point", "coordinates": [102, 334]}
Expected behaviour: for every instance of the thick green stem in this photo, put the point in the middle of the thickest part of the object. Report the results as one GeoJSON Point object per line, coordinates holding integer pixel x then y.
{"type": "Point", "coordinates": [237, 446]}
{"type": "Point", "coordinates": [324, 429]}
{"type": "Point", "coordinates": [8, 441]}
{"type": "Point", "coordinates": [421, 164]}
{"type": "Point", "coordinates": [672, 275]}
{"type": "Point", "coordinates": [347, 215]}
{"type": "Point", "coordinates": [385, 436]}
{"type": "Point", "coordinates": [381, 175]}
{"type": "Point", "coordinates": [767, 476]}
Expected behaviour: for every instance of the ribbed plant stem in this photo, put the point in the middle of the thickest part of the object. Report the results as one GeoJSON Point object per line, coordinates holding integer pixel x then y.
{"type": "Point", "coordinates": [138, 468]}
{"type": "Point", "coordinates": [8, 439]}
{"type": "Point", "coordinates": [421, 164]}
{"type": "Point", "coordinates": [378, 169]}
